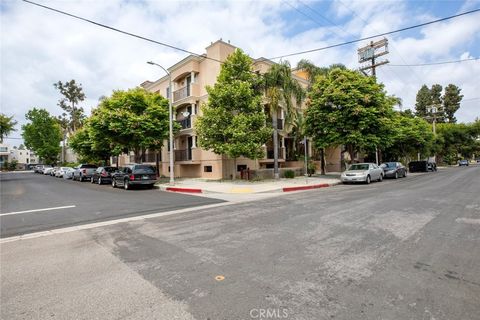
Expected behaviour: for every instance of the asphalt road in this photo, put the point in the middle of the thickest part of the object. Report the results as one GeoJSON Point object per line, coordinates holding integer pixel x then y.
{"type": "Point", "coordinates": [79, 202]}
{"type": "Point", "coordinates": [404, 249]}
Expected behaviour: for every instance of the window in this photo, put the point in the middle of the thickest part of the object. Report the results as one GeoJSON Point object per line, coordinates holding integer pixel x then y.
{"type": "Point", "coordinates": [168, 92]}
{"type": "Point", "coordinates": [241, 167]}
{"type": "Point", "coordinates": [3, 149]}
{"type": "Point", "coordinates": [207, 169]}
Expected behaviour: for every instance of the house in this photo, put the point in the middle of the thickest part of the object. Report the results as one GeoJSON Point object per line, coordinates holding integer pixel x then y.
{"type": "Point", "coordinates": [190, 77]}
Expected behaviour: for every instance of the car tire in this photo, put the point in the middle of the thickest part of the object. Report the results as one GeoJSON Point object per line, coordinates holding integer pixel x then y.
{"type": "Point", "coordinates": [114, 183]}
{"type": "Point", "coordinates": [381, 178]}
{"type": "Point", "coordinates": [405, 173]}
{"type": "Point", "coordinates": [368, 180]}
{"type": "Point", "coordinates": [396, 174]}
{"type": "Point", "coordinates": [80, 178]}
{"type": "Point", "coordinates": [99, 181]}
{"type": "Point", "coordinates": [126, 185]}
{"type": "Point", "coordinates": [91, 180]}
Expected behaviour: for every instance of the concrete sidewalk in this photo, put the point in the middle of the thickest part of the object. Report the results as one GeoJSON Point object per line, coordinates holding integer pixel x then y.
{"type": "Point", "coordinates": [242, 186]}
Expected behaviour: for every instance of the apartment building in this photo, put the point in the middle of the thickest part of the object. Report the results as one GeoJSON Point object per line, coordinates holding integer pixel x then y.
{"type": "Point", "coordinates": [190, 77]}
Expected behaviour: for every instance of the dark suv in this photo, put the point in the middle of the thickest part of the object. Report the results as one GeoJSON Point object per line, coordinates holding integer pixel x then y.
{"type": "Point", "coordinates": [134, 175]}
{"type": "Point", "coordinates": [103, 175]}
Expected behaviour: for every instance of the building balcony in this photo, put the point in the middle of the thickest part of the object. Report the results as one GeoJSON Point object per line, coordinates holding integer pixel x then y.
{"type": "Point", "coordinates": [185, 123]}
{"type": "Point", "coordinates": [270, 153]}
{"type": "Point", "coordinates": [183, 155]}
{"type": "Point", "coordinates": [192, 90]}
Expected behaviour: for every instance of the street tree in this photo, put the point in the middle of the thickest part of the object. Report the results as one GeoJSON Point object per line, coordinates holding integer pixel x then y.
{"type": "Point", "coordinates": [423, 102]}
{"type": "Point", "coordinates": [451, 102]}
{"type": "Point", "coordinates": [88, 148]}
{"type": "Point", "coordinates": [72, 95]}
{"type": "Point", "coordinates": [282, 91]}
{"type": "Point", "coordinates": [233, 121]}
{"type": "Point", "coordinates": [7, 126]}
{"type": "Point", "coordinates": [133, 120]}
{"type": "Point", "coordinates": [42, 134]}
{"type": "Point", "coordinates": [454, 139]}
{"type": "Point", "coordinates": [313, 72]}
{"type": "Point", "coordinates": [348, 108]}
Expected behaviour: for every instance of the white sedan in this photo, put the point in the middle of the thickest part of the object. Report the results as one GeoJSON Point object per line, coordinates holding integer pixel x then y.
{"type": "Point", "coordinates": [362, 172]}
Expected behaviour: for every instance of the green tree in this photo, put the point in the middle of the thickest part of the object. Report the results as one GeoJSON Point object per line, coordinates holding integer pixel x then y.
{"type": "Point", "coordinates": [233, 121]}
{"type": "Point", "coordinates": [130, 120]}
{"type": "Point", "coordinates": [42, 135]}
{"type": "Point", "coordinates": [87, 148]}
{"type": "Point", "coordinates": [7, 126]}
{"type": "Point", "coordinates": [313, 72]}
{"type": "Point", "coordinates": [411, 136]}
{"type": "Point", "coordinates": [451, 101]}
{"type": "Point", "coordinates": [454, 139]}
{"type": "Point", "coordinates": [72, 93]}
{"type": "Point", "coordinates": [423, 101]}
{"type": "Point", "coordinates": [282, 91]}
{"type": "Point", "coordinates": [349, 108]}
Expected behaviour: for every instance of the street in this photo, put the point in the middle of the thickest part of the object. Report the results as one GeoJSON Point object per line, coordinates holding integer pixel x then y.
{"type": "Point", "coordinates": [399, 249]}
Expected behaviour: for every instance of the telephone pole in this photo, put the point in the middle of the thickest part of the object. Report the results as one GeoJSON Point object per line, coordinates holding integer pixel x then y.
{"type": "Point", "coordinates": [369, 54]}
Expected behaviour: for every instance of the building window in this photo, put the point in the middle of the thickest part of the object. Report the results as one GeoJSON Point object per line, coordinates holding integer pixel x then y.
{"type": "Point", "coordinates": [3, 149]}
{"type": "Point", "coordinates": [207, 169]}
{"type": "Point", "coordinates": [241, 167]}
{"type": "Point", "coordinates": [168, 93]}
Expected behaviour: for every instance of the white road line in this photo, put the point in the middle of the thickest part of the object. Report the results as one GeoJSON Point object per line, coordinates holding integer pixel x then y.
{"type": "Point", "coordinates": [111, 222]}
{"type": "Point", "coordinates": [36, 210]}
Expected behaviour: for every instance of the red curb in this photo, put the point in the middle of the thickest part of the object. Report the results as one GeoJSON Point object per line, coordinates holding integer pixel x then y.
{"type": "Point", "coordinates": [315, 186]}
{"type": "Point", "coordinates": [184, 190]}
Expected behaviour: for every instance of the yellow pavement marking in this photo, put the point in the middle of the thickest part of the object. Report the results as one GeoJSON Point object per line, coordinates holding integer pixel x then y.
{"type": "Point", "coordinates": [241, 190]}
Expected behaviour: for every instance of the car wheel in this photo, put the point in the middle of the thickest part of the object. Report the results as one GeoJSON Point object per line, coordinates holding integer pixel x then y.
{"type": "Point", "coordinates": [381, 178]}
{"type": "Point", "coordinates": [80, 178]}
{"type": "Point", "coordinates": [405, 173]}
{"type": "Point", "coordinates": [126, 185]}
{"type": "Point", "coordinates": [99, 181]}
{"type": "Point", "coordinates": [367, 181]}
{"type": "Point", "coordinates": [396, 175]}
{"type": "Point", "coordinates": [91, 180]}
{"type": "Point", "coordinates": [114, 183]}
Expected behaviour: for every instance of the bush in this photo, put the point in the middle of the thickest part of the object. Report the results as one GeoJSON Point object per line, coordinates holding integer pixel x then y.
{"type": "Point", "coordinates": [311, 168]}
{"type": "Point", "coordinates": [289, 174]}
{"type": "Point", "coordinates": [13, 165]}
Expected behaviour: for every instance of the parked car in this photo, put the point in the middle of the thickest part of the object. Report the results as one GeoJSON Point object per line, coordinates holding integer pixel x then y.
{"type": "Point", "coordinates": [61, 171]}
{"type": "Point", "coordinates": [422, 166]}
{"type": "Point", "coordinates": [84, 172]}
{"type": "Point", "coordinates": [463, 163]}
{"type": "Point", "coordinates": [362, 172]}
{"type": "Point", "coordinates": [54, 171]}
{"type": "Point", "coordinates": [134, 175]}
{"type": "Point", "coordinates": [47, 170]}
{"type": "Point", "coordinates": [393, 170]}
{"type": "Point", "coordinates": [103, 175]}
{"type": "Point", "coordinates": [68, 173]}
{"type": "Point", "coordinates": [38, 168]}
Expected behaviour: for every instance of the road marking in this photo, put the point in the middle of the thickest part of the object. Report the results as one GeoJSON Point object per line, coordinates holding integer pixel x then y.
{"type": "Point", "coordinates": [111, 222]}
{"type": "Point", "coordinates": [467, 220]}
{"type": "Point", "coordinates": [36, 210]}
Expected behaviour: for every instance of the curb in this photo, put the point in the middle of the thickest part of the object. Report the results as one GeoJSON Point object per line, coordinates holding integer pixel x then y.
{"type": "Point", "coordinates": [315, 186]}
{"type": "Point", "coordinates": [284, 189]}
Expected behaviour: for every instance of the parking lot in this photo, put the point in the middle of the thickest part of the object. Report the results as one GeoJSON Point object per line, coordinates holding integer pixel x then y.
{"type": "Point", "coordinates": [34, 202]}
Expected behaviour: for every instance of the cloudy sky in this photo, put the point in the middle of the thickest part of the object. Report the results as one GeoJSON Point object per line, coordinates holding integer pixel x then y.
{"type": "Point", "coordinates": [40, 47]}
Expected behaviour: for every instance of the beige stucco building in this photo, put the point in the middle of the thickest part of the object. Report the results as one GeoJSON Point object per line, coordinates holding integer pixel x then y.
{"type": "Point", "coordinates": [190, 77]}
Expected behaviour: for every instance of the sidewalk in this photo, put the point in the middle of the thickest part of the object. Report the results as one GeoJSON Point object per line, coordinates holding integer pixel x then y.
{"type": "Point", "coordinates": [243, 186]}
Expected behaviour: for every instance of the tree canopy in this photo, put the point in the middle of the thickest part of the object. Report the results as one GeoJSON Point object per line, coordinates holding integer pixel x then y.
{"type": "Point", "coordinates": [42, 135]}
{"type": "Point", "coordinates": [233, 121]}
{"type": "Point", "coordinates": [72, 93]}
{"type": "Point", "coordinates": [446, 104]}
{"type": "Point", "coordinates": [349, 108]}
{"type": "Point", "coordinates": [7, 125]}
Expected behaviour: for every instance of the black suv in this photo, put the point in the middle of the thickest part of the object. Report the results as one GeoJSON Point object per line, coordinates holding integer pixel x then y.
{"type": "Point", "coordinates": [133, 175]}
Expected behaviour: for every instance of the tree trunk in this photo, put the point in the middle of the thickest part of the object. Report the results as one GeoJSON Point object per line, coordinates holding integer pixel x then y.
{"type": "Point", "coordinates": [276, 175]}
{"type": "Point", "coordinates": [351, 152]}
{"type": "Point", "coordinates": [322, 161]}
{"type": "Point", "coordinates": [234, 175]}
{"type": "Point", "coordinates": [157, 162]}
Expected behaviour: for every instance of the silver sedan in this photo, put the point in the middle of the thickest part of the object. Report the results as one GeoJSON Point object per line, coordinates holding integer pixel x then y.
{"type": "Point", "coordinates": [362, 172]}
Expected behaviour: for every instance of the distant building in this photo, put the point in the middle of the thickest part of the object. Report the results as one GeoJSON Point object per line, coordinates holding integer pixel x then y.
{"type": "Point", "coordinates": [4, 153]}
{"type": "Point", "coordinates": [23, 156]}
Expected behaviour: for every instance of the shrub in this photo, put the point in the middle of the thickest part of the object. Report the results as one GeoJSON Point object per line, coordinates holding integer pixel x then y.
{"type": "Point", "coordinates": [289, 174]}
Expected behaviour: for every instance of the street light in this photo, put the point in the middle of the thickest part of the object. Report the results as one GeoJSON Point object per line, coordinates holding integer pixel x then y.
{"type": "Point", "coordinates": [170, 120]}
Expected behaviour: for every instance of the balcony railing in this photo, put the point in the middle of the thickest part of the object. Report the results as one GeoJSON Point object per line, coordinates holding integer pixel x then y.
{"type": "Point", "coordinates": [181, 93]}
{"type": "Point", "coordinates": [183, 155]}
{"type": "Point", "coordinates": [185, 123]}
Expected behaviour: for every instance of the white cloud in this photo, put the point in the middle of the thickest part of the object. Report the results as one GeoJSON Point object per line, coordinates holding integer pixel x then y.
{"type": "Point", "coordinates": [39, 47]}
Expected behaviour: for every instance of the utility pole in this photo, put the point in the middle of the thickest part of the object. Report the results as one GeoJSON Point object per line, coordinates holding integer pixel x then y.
{"type": "Point", "coordinates": [369, 53]}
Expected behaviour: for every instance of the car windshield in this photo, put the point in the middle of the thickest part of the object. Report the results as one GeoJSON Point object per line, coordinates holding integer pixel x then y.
{"type": "Point", "coordinates": [388, 165]}
{"type": "Point", "coordinates": [144, 169]}
{"type": "Point", "coordinates": [89, 166]}
{"type": "Point", "coordinates": [110, 169]}
{"type": "Point", "coordinates": [64, 168]}
{"type": "Point", "coordinates": [358, 167]}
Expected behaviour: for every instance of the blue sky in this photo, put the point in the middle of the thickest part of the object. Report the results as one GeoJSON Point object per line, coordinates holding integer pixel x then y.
{"type": "Point", "coordinates": [39, 47]}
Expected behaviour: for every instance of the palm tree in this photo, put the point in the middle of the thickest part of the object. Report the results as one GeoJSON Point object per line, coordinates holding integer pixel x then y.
{"type": "Point", "coordinates": [313, 72]}
{"type": "Point", "coordinates": [281, 90]}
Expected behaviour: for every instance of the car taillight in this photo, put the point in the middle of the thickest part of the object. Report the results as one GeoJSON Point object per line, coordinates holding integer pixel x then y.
{"type": "Point", "coordinates": [132, 177]}
{"type": "Point", "coordinates": [84, 170]}
{"type": "Point", "coordinates": [103, 174]}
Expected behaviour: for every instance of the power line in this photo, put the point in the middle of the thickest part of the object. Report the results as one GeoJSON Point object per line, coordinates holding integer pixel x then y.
{"type": "Point", "coordinates": [374, 36]}
{"type": "Point", "coordinates": [432, 63]}
{"type": "Point", "coordinates": [118, 30]}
